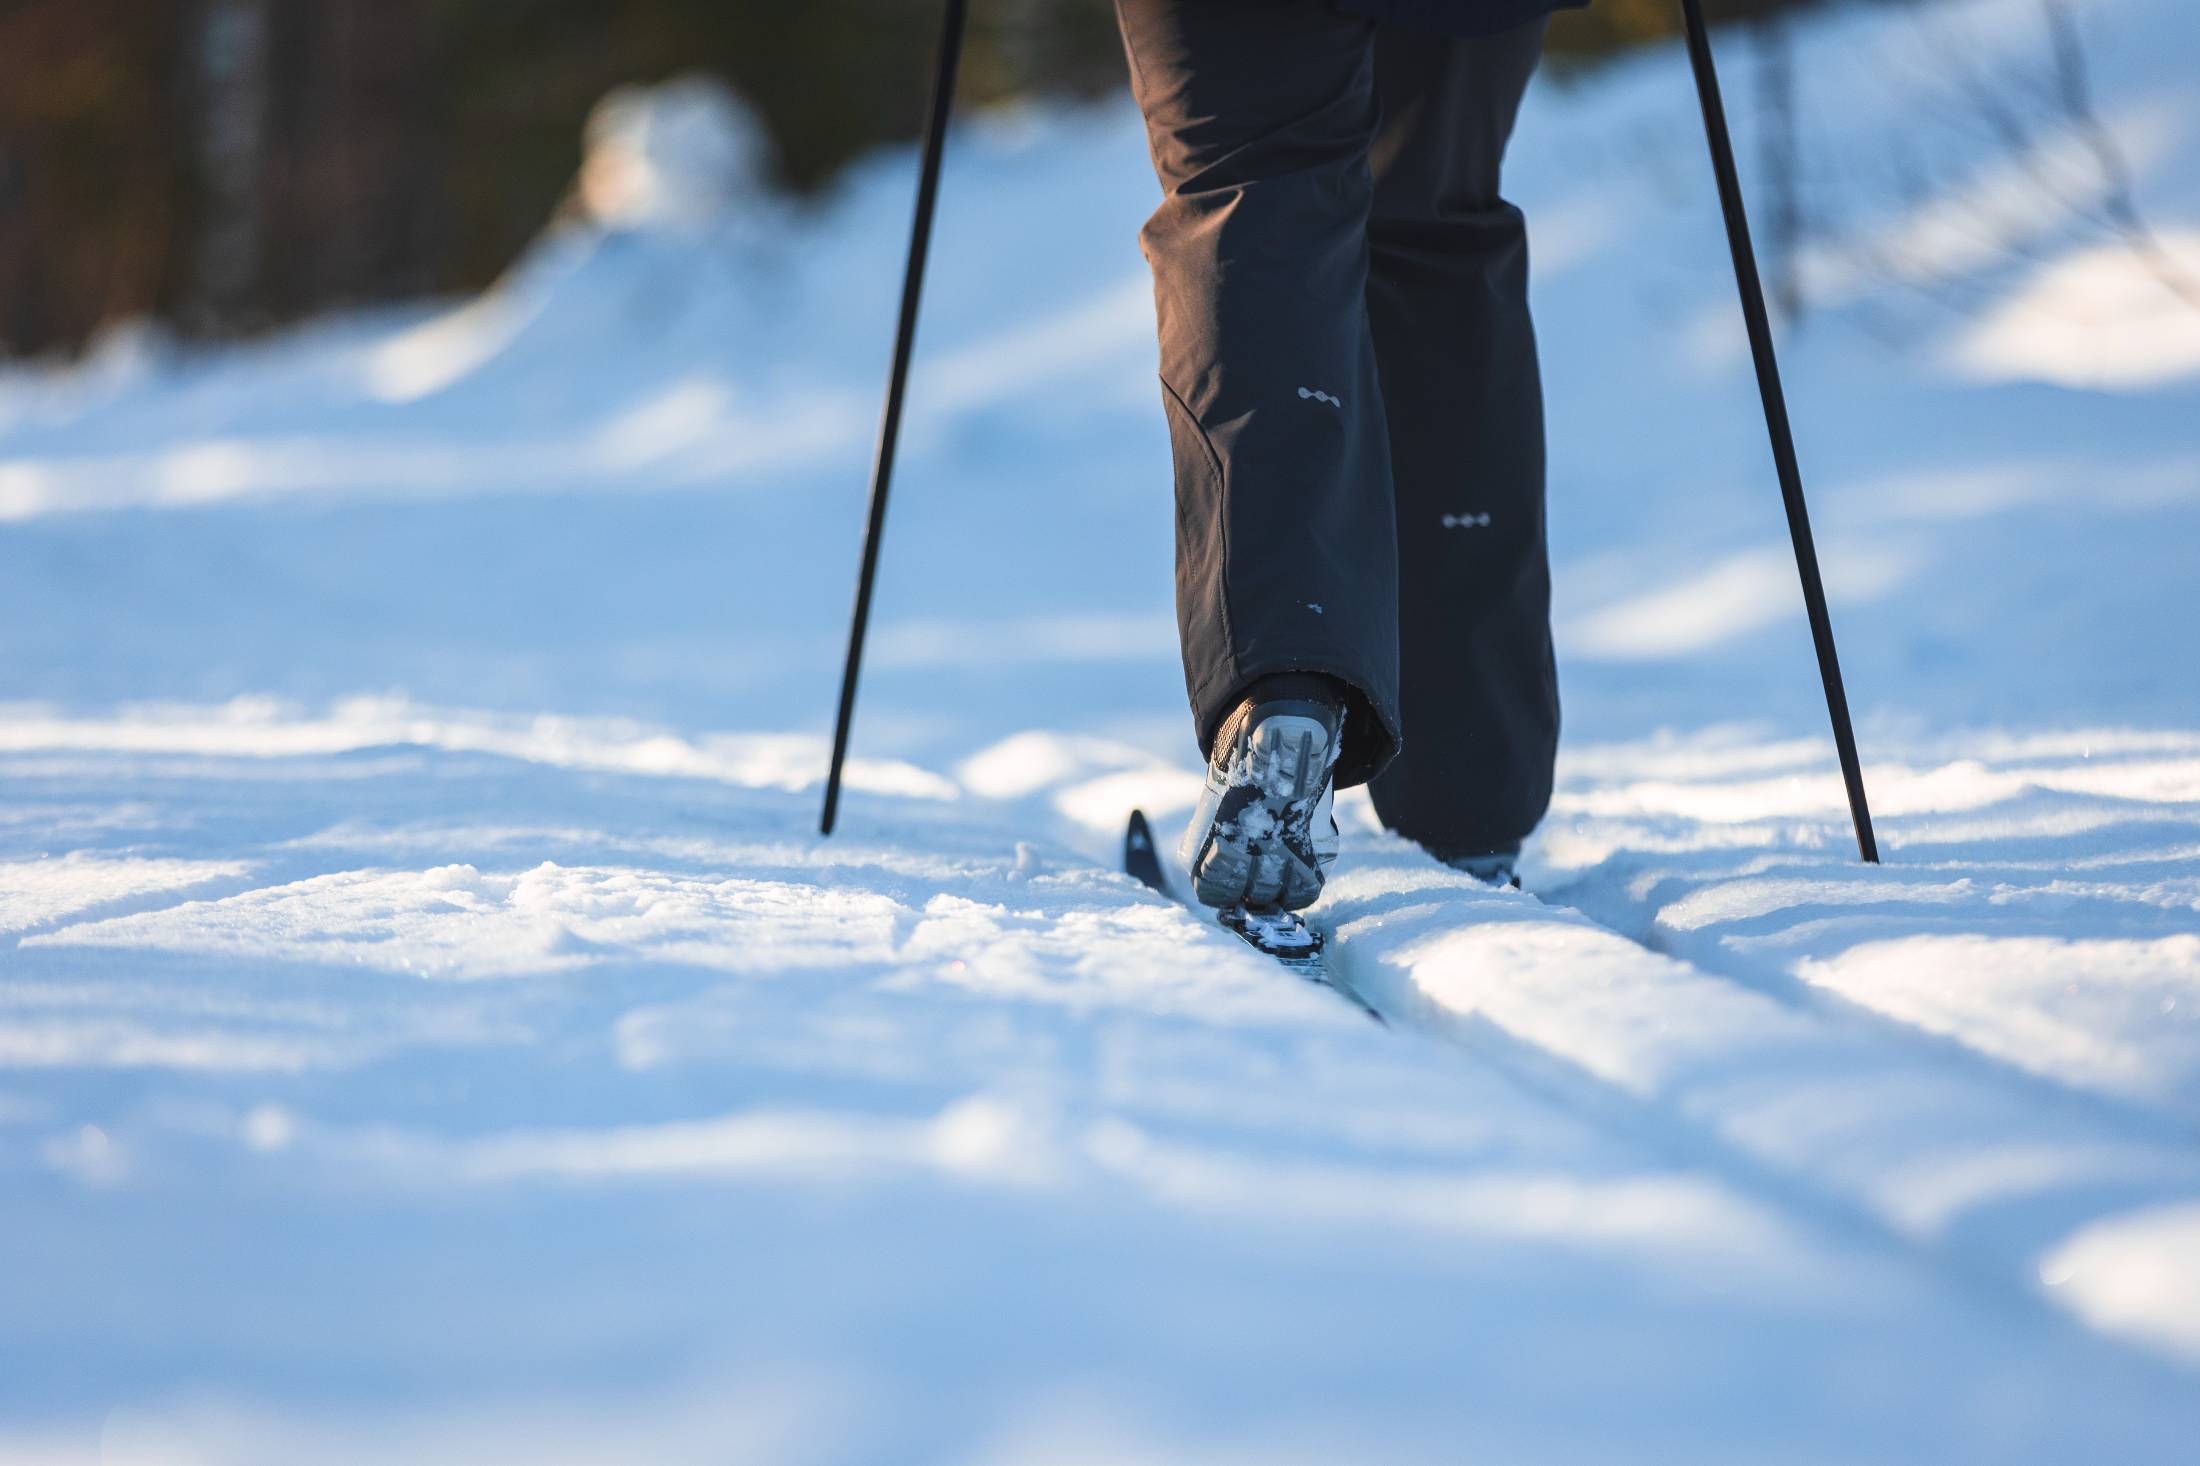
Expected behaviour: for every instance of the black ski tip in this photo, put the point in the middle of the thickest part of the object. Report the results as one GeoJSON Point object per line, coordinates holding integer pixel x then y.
{"type": "Point", "coordinates": [1141, 860]}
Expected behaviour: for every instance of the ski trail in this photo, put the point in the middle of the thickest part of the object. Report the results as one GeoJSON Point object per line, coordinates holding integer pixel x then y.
{"type": "Point", "coordinates": [1566, 1080]}
{"type": "Point", "coordinates": [1990, 1003]}
{"type": "Point", "coordinates": [1993, 1172]}
{"type": "Point", "coordinates": [1801, 992]}
{"type": "Point", "coordinates": [942, 1049]}
{"type": "Point", "coordinates": [2039, 916]}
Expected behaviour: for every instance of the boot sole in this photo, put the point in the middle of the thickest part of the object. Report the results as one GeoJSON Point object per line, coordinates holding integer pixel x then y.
{"type": "Point", "coordinates": [1258, 850]}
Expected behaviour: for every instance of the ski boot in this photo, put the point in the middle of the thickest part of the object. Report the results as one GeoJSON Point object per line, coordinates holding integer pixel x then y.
{"type": "Point", "coordinates": [1263, 835]}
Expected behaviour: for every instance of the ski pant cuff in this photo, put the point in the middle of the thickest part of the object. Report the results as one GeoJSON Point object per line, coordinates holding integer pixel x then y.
{"type": "Point", "coordinates": [1370, 739]}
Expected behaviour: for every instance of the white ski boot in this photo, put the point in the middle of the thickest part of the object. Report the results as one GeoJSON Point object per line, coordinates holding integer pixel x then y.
{"type": "Point", "coordinates": [1263, 835]}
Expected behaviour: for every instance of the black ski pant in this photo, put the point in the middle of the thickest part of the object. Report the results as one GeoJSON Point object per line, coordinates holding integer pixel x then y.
{"type": "Point", "coordinates": [1349, 374]}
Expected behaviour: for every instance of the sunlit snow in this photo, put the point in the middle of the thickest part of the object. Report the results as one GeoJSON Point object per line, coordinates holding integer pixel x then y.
{"type": "Point", "coordinates": [431, 1028]}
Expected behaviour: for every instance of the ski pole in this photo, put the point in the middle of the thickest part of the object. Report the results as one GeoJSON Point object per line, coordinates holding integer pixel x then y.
{"type": "Point", "coordinates": [1776, 417]}
{"type": "Point", "coordinates": [882, 467]}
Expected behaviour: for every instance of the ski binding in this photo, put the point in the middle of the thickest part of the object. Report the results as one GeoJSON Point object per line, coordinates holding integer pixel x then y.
{"type": "Point", "coordinates": [1283, 935]}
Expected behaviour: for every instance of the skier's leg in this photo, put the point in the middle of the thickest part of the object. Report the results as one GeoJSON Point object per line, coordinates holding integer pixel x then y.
{"type": "Point", "coordinates": [1259, 114]}
{"type": "Point", "coordinates": [1448, 300]}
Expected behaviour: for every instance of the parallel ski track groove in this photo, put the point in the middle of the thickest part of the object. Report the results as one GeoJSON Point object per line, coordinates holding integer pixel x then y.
{"type": "Point", "coordinates": [2142, 1120]}
{"type": "Point", "coordinates": [1666, 1130]}
{"type": "Point", "coordinates": [1662, 1128]}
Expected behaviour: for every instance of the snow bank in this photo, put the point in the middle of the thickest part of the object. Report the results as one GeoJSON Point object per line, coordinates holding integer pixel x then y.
{"type": "Point", "coordinates": [683, 152]}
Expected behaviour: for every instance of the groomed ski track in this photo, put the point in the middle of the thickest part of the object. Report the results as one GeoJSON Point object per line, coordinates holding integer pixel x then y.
{"type": "Point", "coordinates": [907, 1053]}
{"type": "Point", "coordinates": [1801, 1099]}
{"type": "Point", "coordinates": [1989, 1171]}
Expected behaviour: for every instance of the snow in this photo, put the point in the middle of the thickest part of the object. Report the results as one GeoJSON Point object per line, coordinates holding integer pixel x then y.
{"type": "Point", "coordinates": [431, 1028]}
{"type": "Point", "coordinates": [686, 151]}
{"type": "Point", "coordinates": [2098, 318]}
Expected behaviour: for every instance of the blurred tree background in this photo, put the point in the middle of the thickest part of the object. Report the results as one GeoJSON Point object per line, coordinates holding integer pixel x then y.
{"type": "Point", "coordinates": [229, 165]}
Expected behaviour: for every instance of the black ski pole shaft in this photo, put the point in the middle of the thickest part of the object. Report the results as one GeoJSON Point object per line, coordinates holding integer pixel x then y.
{"type": "Point", "coordinates": [1776, 417]}
{"type": "Point", "coordinates": [889, 430]}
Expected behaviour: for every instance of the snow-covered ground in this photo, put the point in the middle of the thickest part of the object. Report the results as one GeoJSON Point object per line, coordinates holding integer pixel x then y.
{"type": "Point", "coordinates": [431, 1029]}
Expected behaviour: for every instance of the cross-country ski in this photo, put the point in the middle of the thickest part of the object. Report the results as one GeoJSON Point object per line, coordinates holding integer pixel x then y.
{"type": "Point", "coordinates": [1282, 935]}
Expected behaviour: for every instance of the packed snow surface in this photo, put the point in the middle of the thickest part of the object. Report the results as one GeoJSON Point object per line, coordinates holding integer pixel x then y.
{"type": "Point", "coordinates": [431, 1028]}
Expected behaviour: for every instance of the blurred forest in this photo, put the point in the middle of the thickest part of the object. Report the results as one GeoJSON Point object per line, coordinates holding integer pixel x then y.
{"type": "Point", "coordinates": [228, 165]}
